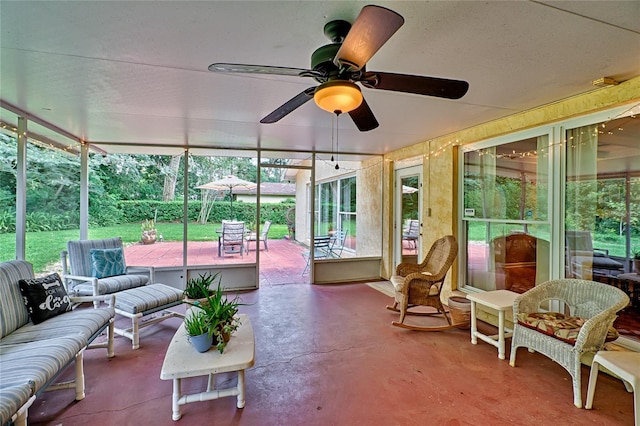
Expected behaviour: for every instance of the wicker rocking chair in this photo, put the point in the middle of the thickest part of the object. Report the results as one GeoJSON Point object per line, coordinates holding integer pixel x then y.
{"type": "Point", "coordinates": [420, 284]}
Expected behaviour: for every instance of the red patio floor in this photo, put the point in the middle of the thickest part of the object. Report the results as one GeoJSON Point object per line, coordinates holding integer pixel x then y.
{"type": "Point", "coordinates": [283, 263]}
{"type": "Point", "coordinates": [328, 355]}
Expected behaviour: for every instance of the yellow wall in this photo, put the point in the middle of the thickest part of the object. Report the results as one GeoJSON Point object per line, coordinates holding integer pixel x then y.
{"type": "Point", "coordinates": [439, 162]}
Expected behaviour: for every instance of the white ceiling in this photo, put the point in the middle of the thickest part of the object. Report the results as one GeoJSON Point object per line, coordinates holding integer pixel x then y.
{"type": "Point", "coordinates": [115, 73]}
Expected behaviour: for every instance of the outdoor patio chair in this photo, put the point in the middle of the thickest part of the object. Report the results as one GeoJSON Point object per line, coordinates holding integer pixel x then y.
{"type": "Point", "coordinates": [321, 250]}
{"type": "Point", "coordinates": [253, 236]}
{"type": "Point", "coordinates": [563, 320]}
{"type": "Point", "coordinates": [584, 261]}
{"type": "Point", "coordinates": [97, 267]}
{"type": "Point", "coordinates": [410, 234]}
{"type": "Point", "coordinates": [232, 238]}
{"type": "Point", "coordinates": [420, 284]}
{"type": "Point", "coordinates": [337, 243]}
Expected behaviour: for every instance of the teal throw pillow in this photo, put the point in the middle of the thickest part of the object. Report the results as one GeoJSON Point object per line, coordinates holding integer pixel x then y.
{"type": "Point", "coordinates": [107, 262]}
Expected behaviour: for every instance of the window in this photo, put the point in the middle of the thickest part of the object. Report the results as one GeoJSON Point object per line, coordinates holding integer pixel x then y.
{"type": "Point", "coordinates": [505, 215]}
{"type": "Point", "coordinates": [347, 211]}
{"type": "Point", "coordinates": [336, 208]}
{"type": "Point", "coordinates": [520, 227]}
{"type": "Point", "coordinates": [602, 193]}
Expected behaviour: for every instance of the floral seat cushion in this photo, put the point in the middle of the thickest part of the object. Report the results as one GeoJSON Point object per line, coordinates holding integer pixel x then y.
{"type": "Point", "coordinates": [558, 325]}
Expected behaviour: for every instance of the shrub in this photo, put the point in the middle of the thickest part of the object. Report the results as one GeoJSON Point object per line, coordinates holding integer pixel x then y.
{"type": "Point", "coordinates": [7, 221]}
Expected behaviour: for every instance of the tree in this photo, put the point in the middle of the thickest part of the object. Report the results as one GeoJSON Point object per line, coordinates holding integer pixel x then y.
{"type": "Point", "coordinates": [170, 179]}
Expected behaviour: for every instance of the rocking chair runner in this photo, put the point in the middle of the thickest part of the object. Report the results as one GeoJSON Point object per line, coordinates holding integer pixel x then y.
{"type": "Point", "coordinates": [420, 284]}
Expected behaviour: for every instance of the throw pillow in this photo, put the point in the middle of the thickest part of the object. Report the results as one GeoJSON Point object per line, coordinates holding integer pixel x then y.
{"type": "Point", "coordinates": [107, 262]}
{"type": "Point", "coordinates": [44, 297]}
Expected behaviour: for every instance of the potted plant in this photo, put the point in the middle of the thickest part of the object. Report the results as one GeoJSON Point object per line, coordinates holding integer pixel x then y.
{"type": "Point", "coordinates": [197, 289]}
{"type": "Point", "coordinates": [220, 312]}
{"type": "Point", "coordinates": [636, 260]}
{"type": "Point", "coordinates": [198, 328]}
{"type": "Point", "coordinates": [148, 231]}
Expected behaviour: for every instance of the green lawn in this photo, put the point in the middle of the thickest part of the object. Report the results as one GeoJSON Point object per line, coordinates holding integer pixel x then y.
{"type": "Point", "coordinates": [615, 244]}
{"type": "Point", "coordinates": [43, 248]}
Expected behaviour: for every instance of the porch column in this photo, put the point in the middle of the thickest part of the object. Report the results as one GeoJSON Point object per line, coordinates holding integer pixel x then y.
{"type": "Point", "coordinates": [84, 191]}
{"type": "Point", "coordinates": [21, 190]}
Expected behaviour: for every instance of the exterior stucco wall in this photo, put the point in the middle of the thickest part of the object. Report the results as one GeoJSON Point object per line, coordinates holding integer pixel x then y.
{"type": "Point", "coordinates": [440, 162]}
{"type": "Point", "coordinates": [263, 198]}
{"type": "Point", "coordinates": [303, 178]}
{"type": "Point", "coordinates": [369, 208]}
{"type": "Point", "coordinates": [369, 204]}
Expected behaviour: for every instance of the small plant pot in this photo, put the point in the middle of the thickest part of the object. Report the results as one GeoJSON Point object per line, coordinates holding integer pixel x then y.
{"type": "Point", "coordinates": [225, 336]}
{"type": "Point", "coordinates": [148, 237]}
{"type": "Point", "coordinates": [202, 343]}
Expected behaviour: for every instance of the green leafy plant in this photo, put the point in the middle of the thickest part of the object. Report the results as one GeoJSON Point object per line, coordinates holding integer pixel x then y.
{"type": "Point", "coordinates": [635, 253]}
{"type": "Point", "coordinates": [148, 225]}
{"type": "Point", "coordinates": [200, 287]}
{"type": "Point", "coordinates": [197, 323]}
{"type": "Point", "coordinates": [220, 312]}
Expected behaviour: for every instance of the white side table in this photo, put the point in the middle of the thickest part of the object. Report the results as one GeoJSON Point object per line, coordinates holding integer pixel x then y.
{"type": "Point", "coordinates": [182, 361]}
{"type": "Point", "coordinates": [500, 300]}
{"type": "Point", "coordinates": [625, 365]}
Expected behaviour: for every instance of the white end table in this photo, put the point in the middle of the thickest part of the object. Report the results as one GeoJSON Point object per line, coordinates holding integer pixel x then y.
{"type": "Point", "coordinates": [500, 300]}
{"type": "Point", "coordinates": [625, 365]}
{"type": "Point", "coordinates": [182, 361]}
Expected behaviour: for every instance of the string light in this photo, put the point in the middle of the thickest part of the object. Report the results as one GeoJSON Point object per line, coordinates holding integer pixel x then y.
{"type": "Point", "coordinates": [570, 140]}
{"type": "Point", "coordinates": [38, 140]}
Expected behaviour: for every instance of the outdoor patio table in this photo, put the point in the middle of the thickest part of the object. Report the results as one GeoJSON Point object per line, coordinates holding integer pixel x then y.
{"type": "Point", "coordinates": [500, 300]}
{"type": "Point", "coordinates": [182, 361]}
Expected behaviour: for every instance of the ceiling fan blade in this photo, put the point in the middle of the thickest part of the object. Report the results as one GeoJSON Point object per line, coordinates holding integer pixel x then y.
{"type": "Point", "coordinates": [293, 103]}
{"type": "Point", "coordinates": [363, 117]}
{"type": "Point", "coordinates": [420, 85]}
{"type": "Point", "coordinates": [257, 69]}
{"type": "Point", "coordinates": [371, 29]}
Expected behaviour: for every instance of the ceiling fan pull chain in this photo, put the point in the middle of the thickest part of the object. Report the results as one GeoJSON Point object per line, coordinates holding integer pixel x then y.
{"type": "Point", "coordinates": [337, 138]}
{"type": "Point", "coordinates": [332, 130]}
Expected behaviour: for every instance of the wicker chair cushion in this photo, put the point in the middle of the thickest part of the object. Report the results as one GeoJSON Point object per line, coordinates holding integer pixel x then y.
{"type": "Point", "coordinates": [398, 283]}
{"type": "Point", "coordinates": [560, 326]}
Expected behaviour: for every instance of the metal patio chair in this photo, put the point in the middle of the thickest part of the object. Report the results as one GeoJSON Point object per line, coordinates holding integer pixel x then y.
{"type": "Point", "coordinates": [231, 241]}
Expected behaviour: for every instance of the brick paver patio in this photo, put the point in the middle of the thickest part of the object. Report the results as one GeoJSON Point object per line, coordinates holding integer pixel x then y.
{"type": "Point", "coordinates": [282, 264]}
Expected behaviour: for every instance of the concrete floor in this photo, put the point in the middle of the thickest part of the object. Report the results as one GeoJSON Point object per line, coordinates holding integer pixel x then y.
{"type": "Point", "coordinates": [328, 355]}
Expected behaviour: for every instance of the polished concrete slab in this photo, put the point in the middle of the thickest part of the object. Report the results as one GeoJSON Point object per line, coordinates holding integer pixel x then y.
{"type": "Point", "coordinates": [328, 355]}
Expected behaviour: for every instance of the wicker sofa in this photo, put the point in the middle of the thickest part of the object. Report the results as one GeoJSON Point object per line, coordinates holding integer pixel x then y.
{"type": "Point", "coordinates": [32, 356]}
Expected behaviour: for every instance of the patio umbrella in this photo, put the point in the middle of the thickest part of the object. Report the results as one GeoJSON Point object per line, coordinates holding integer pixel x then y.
{"type": "Point", "coordinates": [408, 189]}
{"type": "Point", "coordinates": [228, 183]}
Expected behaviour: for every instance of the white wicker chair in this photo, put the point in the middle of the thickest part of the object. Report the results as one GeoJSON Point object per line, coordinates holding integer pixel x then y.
{"type": "Point", "coordinates": [597, 303]}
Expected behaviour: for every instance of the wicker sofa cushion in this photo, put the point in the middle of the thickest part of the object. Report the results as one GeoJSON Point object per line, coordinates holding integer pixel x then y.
{"type": "Point", "coordinates": [558, 325]}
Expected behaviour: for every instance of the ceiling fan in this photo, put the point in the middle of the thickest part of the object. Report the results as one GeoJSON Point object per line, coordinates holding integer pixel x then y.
{"type": "Point", "coordinates": [339, 65]}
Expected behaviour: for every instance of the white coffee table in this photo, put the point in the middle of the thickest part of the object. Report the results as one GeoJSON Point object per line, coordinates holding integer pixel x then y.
{"type": "Point", "coordinates": [500, 300]}
{"type": "Point", "coordinates": [182, 361]}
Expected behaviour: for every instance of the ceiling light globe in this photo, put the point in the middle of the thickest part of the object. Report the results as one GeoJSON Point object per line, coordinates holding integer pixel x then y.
{"type": "Point", "coordinates": [334, 96]}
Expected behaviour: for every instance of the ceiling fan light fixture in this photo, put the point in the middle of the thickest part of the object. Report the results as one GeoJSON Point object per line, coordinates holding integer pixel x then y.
{"type": "Point", "coordinates": [342, 96]}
